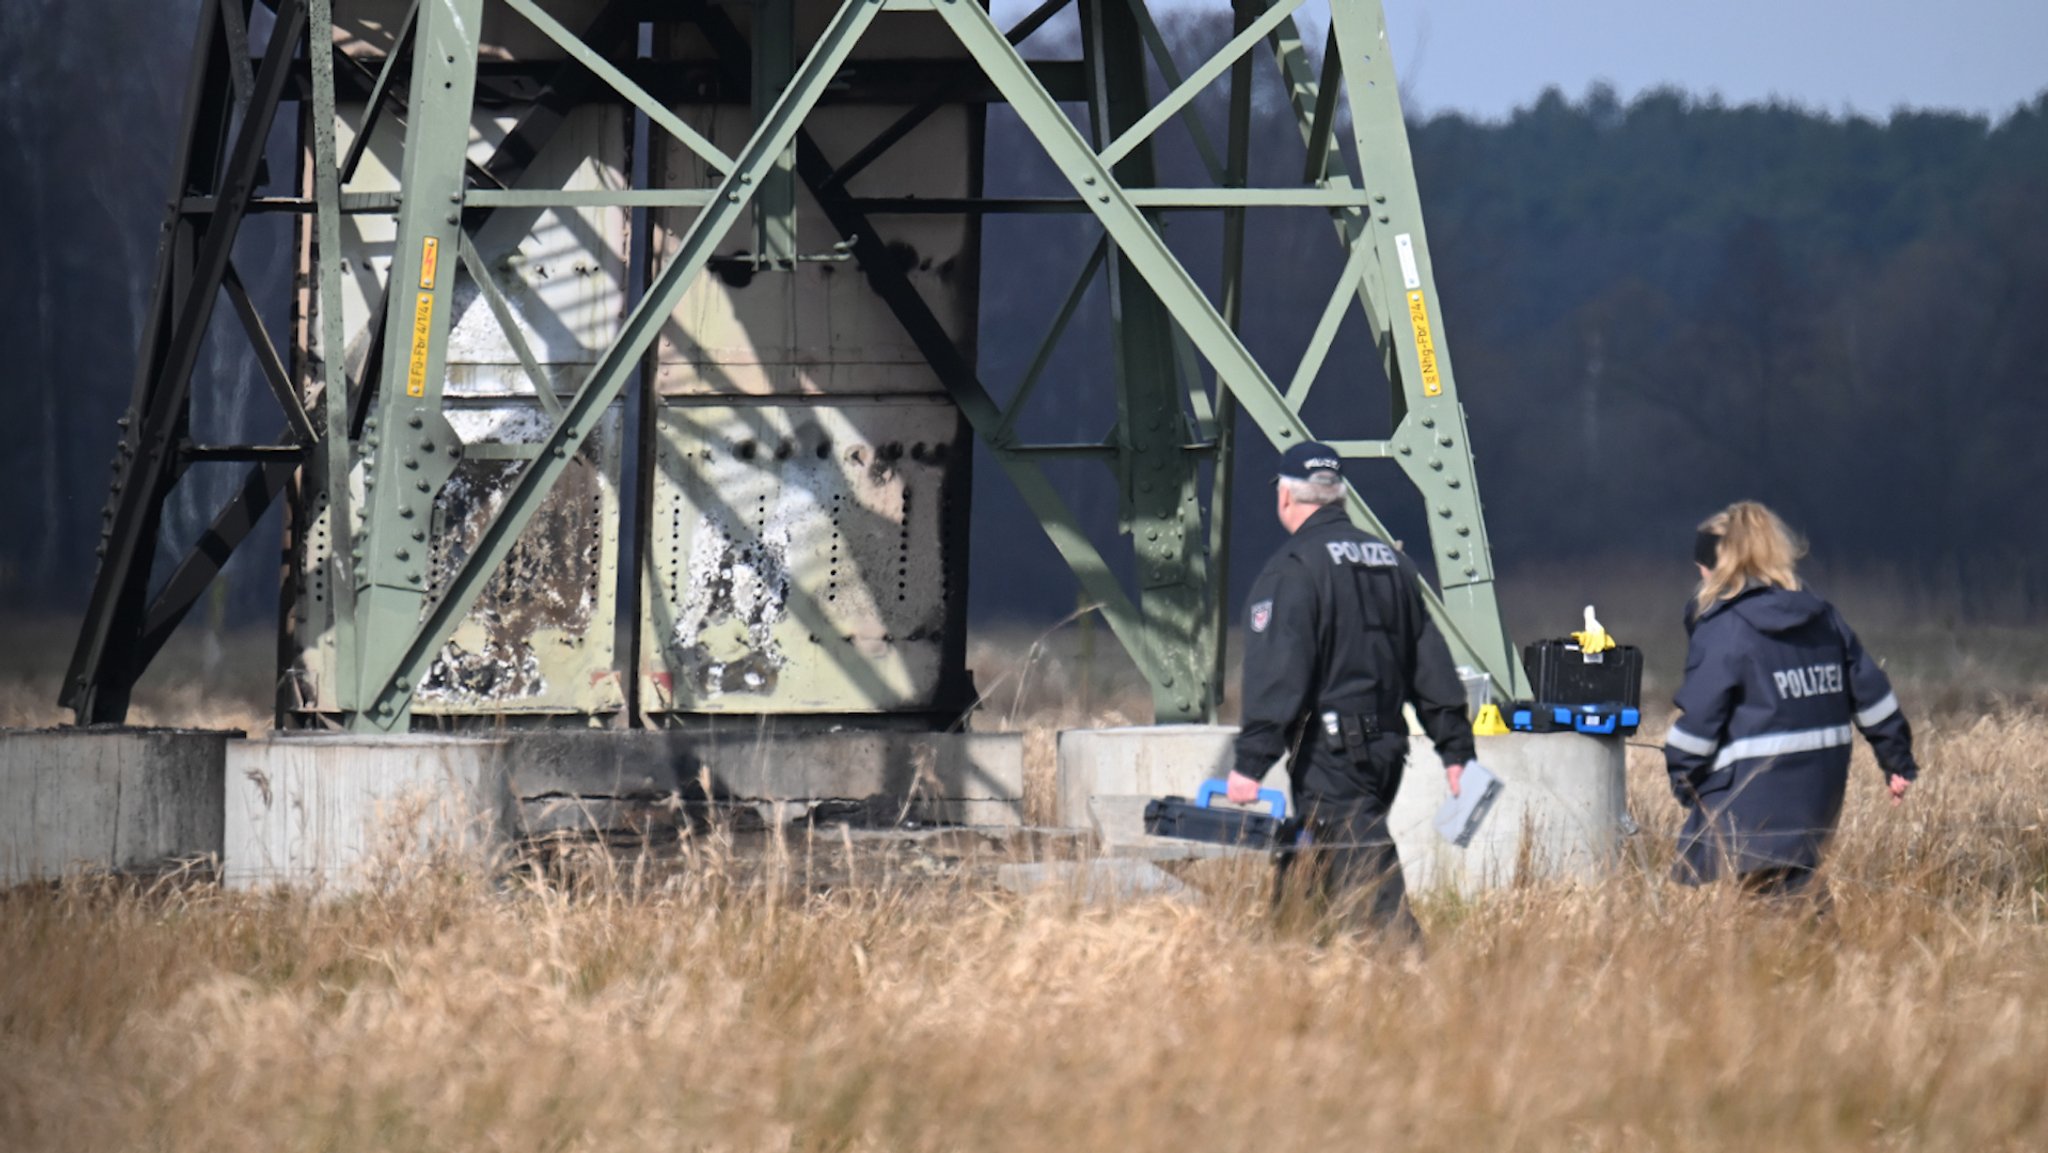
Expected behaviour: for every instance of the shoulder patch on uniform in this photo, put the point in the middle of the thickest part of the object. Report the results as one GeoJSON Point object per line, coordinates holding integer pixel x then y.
{"type": "Point", "coordinates": [1262, 615]}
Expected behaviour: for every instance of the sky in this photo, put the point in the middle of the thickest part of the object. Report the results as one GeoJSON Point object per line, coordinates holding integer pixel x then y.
{"type": "Point", "coordinates": [1487, 57]}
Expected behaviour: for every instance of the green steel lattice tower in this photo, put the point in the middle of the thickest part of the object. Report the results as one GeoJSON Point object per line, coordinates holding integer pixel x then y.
{"type": "Point", "coordinates": [757, 224]}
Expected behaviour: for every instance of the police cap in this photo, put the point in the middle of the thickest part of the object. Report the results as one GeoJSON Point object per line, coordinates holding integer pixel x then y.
{"type": "Point", "coordinates": [1303, 461]}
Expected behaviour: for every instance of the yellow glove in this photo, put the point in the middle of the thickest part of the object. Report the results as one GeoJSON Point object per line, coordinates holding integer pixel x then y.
{"type": "Point", "coordinates": [1594, 639]}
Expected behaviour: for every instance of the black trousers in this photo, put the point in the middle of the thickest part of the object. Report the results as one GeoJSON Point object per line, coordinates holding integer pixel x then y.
{"type": "Point", "coordinates": [1347, 871]}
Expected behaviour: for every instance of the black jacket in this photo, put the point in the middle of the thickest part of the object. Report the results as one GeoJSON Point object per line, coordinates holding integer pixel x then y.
{"type": "Point", "coordinates": [1335, 622]}
{"type": "Point", "coordinates": [1774, 682]}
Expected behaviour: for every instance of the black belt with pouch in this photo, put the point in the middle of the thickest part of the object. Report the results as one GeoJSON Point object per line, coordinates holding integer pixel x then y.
{"type": "Point", "coordinates": [1350, 734]}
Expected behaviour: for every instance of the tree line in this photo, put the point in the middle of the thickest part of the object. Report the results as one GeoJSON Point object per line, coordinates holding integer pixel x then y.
{"type": "Point", "coordinates": [1654, 306]}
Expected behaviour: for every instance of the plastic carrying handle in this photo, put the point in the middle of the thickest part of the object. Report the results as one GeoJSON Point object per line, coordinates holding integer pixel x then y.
{"type": "Point", "coordinates": [1212, 789]}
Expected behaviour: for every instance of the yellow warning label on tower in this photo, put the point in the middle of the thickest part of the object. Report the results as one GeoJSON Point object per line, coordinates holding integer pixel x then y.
{"type": "Point", "coordinates": [430, 259]}
{"type": "Point", "coordinates": [416, 366]}
{"type": "Point", "coordinates": [1425, 344]}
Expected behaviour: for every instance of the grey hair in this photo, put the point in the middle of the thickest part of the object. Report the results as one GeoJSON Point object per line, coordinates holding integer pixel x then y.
{"type": "Point", "coordinates": [1321, 487]}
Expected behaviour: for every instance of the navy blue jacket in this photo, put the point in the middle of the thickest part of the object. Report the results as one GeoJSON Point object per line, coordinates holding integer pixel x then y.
{"type": "Point", "coordinates": [1775, 685]}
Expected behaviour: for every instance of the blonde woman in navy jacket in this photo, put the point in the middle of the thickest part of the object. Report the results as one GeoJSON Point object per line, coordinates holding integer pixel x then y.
{"type": "Point", "coordinates": [1775, 686]}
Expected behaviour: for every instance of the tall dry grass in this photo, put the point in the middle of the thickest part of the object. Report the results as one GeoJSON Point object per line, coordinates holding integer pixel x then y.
{"type": "Point", "coordinates": [775, 1003]}
{"type": "Point", "coordinates": [818, 995]}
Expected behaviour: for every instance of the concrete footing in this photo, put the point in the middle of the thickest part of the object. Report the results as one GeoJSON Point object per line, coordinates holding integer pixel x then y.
{"type": "Point", "coordinates": [1093, 882]}
{"type": "Point", "coordinates": [125, 800]}
{"type": "Point", "coordinates": [1142, 761]}
{"type": "Point", "coordinates": [611, 782]}
{"type": "Point", "coordinates": [334, 812]}
{"type": "Point", "coordinates": [1560, 813]}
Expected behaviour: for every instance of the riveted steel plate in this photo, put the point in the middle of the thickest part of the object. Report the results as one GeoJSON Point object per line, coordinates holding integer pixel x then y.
{"type": "Point", "coordinates": [799, 560]}
{"type": "Point", "coordinates": [818, 327]}
{"type": "Point", "coordinates": [540, 639]}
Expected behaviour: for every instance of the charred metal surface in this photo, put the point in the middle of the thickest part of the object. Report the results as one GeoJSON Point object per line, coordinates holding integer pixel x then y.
{"type": "Point", "coordinates": [540, 640]}
{"type": "Point", "coordinates": [541, 637]}
{"type": "Point", "coordinates": [803, 472]}
{"type": "Point", "coordinates": [549, 587]}
{"type": "Point", "coordinates": [800, 558]}
{"type": "Point", "coordinates": [805, 529]}
{"type": "Point", "coordinates": [544, 622]}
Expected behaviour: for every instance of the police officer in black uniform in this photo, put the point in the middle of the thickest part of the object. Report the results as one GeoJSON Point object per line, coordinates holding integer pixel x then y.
{"type": "Point", "coordinates": [1336, 640]}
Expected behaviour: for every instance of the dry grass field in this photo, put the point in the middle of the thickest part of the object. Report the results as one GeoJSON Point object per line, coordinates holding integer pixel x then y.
{"type": "Point", "coordinates": [781, 1006]}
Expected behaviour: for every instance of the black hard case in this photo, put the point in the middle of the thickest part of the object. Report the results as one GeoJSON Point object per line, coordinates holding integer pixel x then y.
{"type": "Point", "coordinates": [1562, 674]}
{"type": "Point", "coordinates": [1182, 818]}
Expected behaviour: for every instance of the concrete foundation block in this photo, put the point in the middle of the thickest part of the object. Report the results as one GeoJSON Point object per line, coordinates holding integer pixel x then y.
{"type": "Point", "coordinates": [1119, 824]}
{"type": "Point", "coordinates": [1006, 814]}
{"type": "Point", "coordinates": [126, 800]}
{"type": "Point", "coordinates": [329, 812]}
{"type": "Point", "coordinates": [1142, 760]}
{"type": "Point", "coordinates": [1094, 882]}
{"type": "Point", "coordinates": [623, 781]}
{"type": "Point", "coordinates": [1560, 813]}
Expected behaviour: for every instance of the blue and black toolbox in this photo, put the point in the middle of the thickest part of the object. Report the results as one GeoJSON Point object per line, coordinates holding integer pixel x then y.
{"type": "Point", "coordinates": [1201, 820]}
{"type": "Point", "coordinates": [1577, 691]}
{"type": "Point", "coordinates": [1600, 720]}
